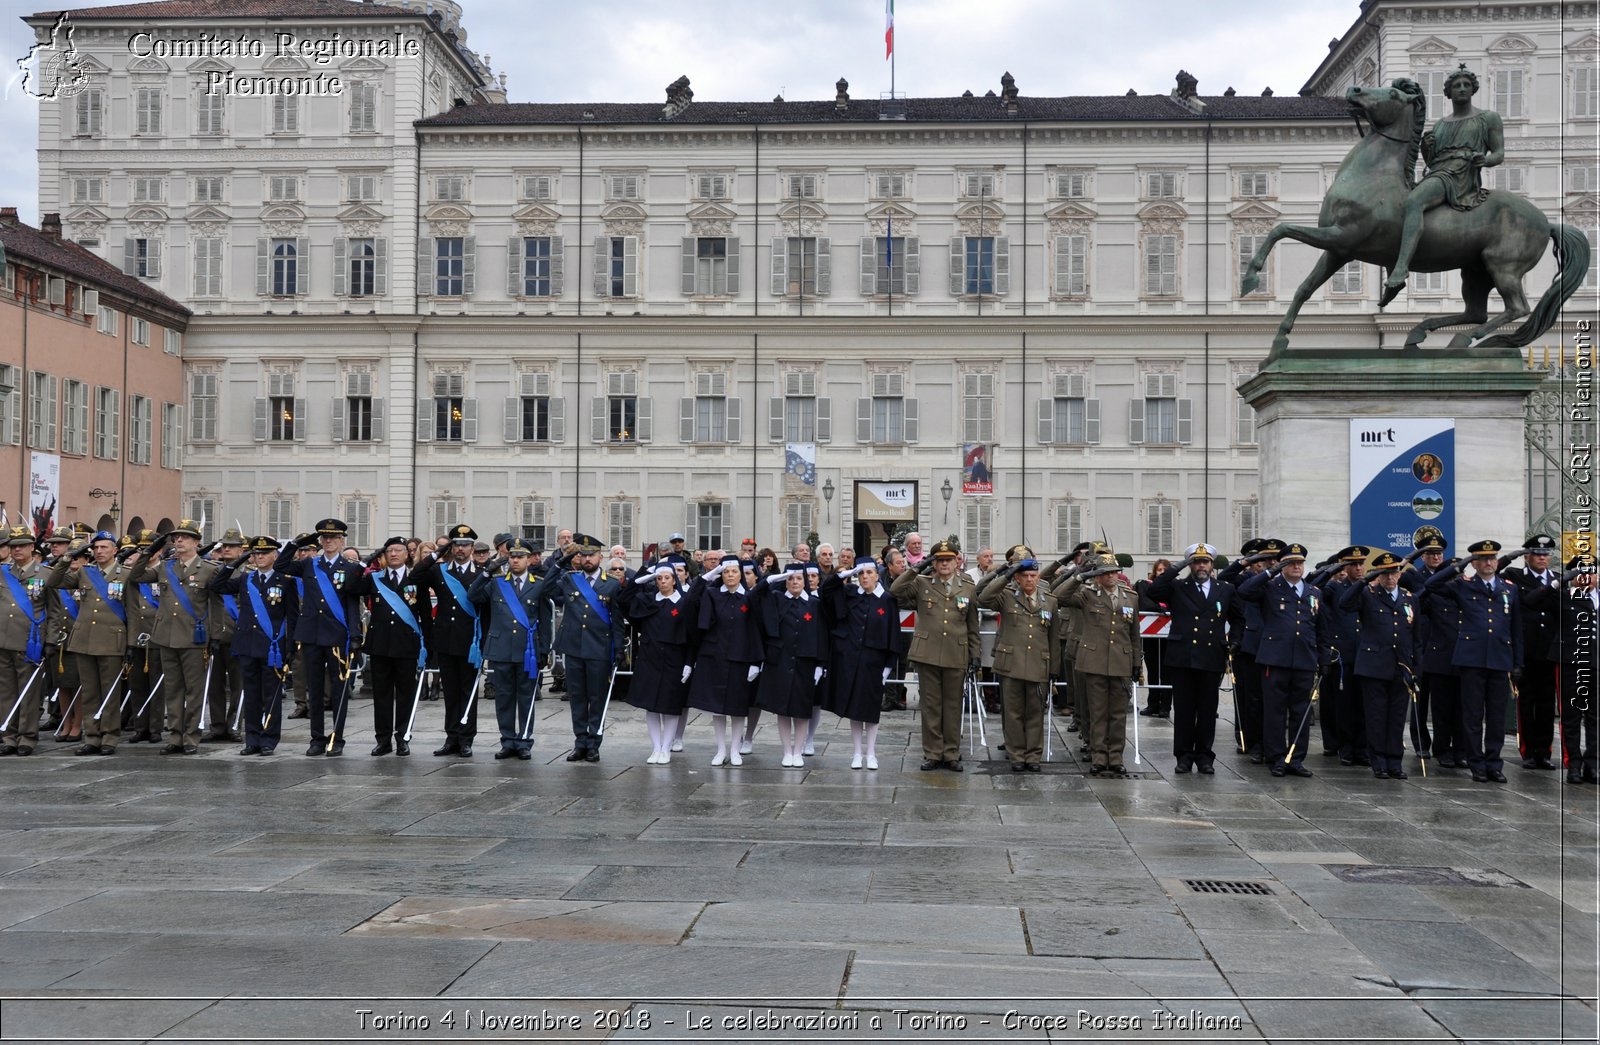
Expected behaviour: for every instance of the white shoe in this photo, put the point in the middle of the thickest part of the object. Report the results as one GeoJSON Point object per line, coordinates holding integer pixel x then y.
{"type": "Point", "coordinates": [855, 763]}
{"type": "Point", "coordinates": [746, 746]}
{"type": "Point", "coordinates": [734, 759]}
{"type": "Point", "coordinates": [655, 756]}
{"type": "Point", "coordinates": [663, 758]}
{"type": "Point", "coordinates": [719, 758]}
{"type": "Point", "coordinates": [872, 762]}
{"type": "Point", "coordinates": [808, 750]}
{"type": "Point", "coordinates": [677, 745]}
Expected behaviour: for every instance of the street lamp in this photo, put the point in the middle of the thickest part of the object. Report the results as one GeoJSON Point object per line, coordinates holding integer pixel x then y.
{"type": "Point", "coordinates": [98, 493]}
{"type": "Point", "coordinates": [827, 497]}
{"type": "Point", "coordinates": [947, 491]}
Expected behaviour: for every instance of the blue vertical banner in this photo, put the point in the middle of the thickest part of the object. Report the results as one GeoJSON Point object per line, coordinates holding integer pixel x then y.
{"type": "Point", "coordinates": [1402, 477]}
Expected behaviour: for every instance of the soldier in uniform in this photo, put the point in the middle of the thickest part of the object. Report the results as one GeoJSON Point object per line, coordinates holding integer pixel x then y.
{"type": "Point", "coordinates": [99, 639]}
{"type": "Point", "coordinates": [327, 626]}
{"type": "Point", "coordinates": [305, 548]}
{"type": "Point", "coordinates": [1488, 651]}
{"type": "Point", "coordinates": [396, 644]}
{"type": "Point", "coordinates": [1536, 693]}
{"type": "Point", "coordinates": [945, 645]}
{"type": "Point", "coordinates": [1294, 645]}
{"type": "Point", "coordinates": [22, 623]}
{"type": "Point", "coordinates": [63, 701]}
{"type": "Point", "coordinates": [263, 640]}
{"type": "Point", "coordinates": [1108, 656]}
{"type": "Point", "coordinates": [511, 604]}
{"type": "Point", "coordinates": [1386, 659]}
{"type": "Point", "coordinates": [1342, 706]}
{"type": "Point", "coordinates": [1027, 655]}
{"type": "Point", "coordinates": [181, 634]}
{"type": "Point", "coordinates": [1577, 649]}
{"type": "Point", "coordinates": [1256, 557]}
{"type": "Point", "coordinates": [1439, 693]}
{"type": "Point", "coordinates": [589, 636]}
{"type": "Point", "coordinates": [227, 684]}
{"type": "Point", "coordinates": [1056, 574]}
{"type": "Point", "coordinates": [456, 638]}
{"type": "Point", "coordinates": [146, 715]}
{"type": "Point", "coordinates": [1197, 653]}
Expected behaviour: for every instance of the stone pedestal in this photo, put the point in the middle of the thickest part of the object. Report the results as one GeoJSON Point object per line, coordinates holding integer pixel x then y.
{"type": "Point", "coordinates": [1304, 401]}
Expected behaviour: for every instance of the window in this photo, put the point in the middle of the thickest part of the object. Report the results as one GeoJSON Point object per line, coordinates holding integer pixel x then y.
{"type": "Point", "coordinates": [534, 524]}
{"type": "Point", "coordinates": [362, 258]}
{"type": "Point", "coordinates": [139, 425]}
{"type": "Point", "coordinates": [978, 186]}
{"type": "Point", "coordinates": [1158, 527]}
{"type": "Point", "coordinates": [449, 408]}
{"type": "Point", "coordinates": [710, 266]}
{"type": "Point", "coordinates": [356, 423]}
{"type": "Point", "coordinates": [107, 423]}
{"type": "Point", "coordinates": [889, 417]}
{"type": "Point", "coordinates": [449, 188]}
{"type": "Point", "coordinates": [202, 407]}
{"type": "Point", "coordinates": [710, 186]}
{"type": "Point", "coordinates": [977, 409]}
{"type": "Point", "coordinates": [446, 512]}
{"type": "Point", "coordinates": [1427, 282]}
{"type": "Point", "coordinates": [1161, 265]}
{"type": "Point", "coordinates": [202, 507]}
{"type": "Point", "coordinates": [623, 187]}
{"type": "Point", "coordinates": [208, 189]}
{"type": "Point", "coordinates": [361, 188]}
{"type": "Point", "coordinates": [1069, 417]}
{"type": "Point", "coordinates": [800, 266]}
{"type": "Point", "coordinates": [363, 107]}
{"type": "Point", "coordinates": [1244, 432]}
{"type": "Point", "coordinates": [147, 110]}
{"type": "Point", "coordinates": [138, 331]}
{"type": "Point", "coordinates": [41, 410]}
{"type": "Point", "coordinates": [1160, 418]}
{"type": "Point", "coordinates": [800, 186]}
{"type": "Point", "coordinates": [171, 435]}
{"type": "Point", "coordinates": [450, 266]}
{"type": "Point", "coordinates": [141, 257]}
{"type": "Point", "coordinates": [285, 268]}
{"type": "Point", "coordinates": [357, 514]}
{"type": "Point", "coordinates": [1347, 279]}
{"type": "Point", "coordinates": [106, 320]}
{"type": "Point", "coordinates": [1072, 185]}
{"type": "Point", "coordinates": [533, 411]}
{"type": "Point", "coordinates": [1248, 244]}
{"type": "Point", "coordinates": [208, 109]}
{"type": "Point", "coordinates": [890, 265]}
{"type": "Point", "coordinates": [617, 267]}
{"type": "Point", "coordinates": [171, 342]}
{"type": "Point", "coordinates": [1583, 177]}
{"type": "Point", "coordinates": [889, 185]}
{"type": "Point", "coordinates": [284, 411]}
{"type": "Point", "coordinates": [1510, 177]}
{"type": "Point", "coordinates": [536, 267]}
{"type": "Point", "coordinates": [1508, 93]}
{"type": "Point", "coordinates": [709, 416]}
{"type": "Point", "coordinates": [1585, 91]}
{"type": "Point", "coordinates": [622, 409]}
{"type": "Point", "coordinates": [1161, 185]}
{"type": "Point", "coordinates": [208, 267]}
{"type": "Point", "coordinates": [1592, 278]}
{"type": "Point", "coordinates": [977, 524]}
{"type": "Point", "coordinates": [89, 111]}
{"type": "Point", "coordinates": [88, 190]}
{"type": "Point", "coordinates": [1432, 83]}
{"type": "Point", "coordinates": [10, 406]}
{"type": "Point", "coordinates": [1069, 525]}
{"type": "Point", "coordinates": [538, 187]}
{"type": "Point", "coordinates": [620, 523]}
{"type": "Point", "coordinates": [285, 114]}
{"type": "Point", "coordinates": [1254, 184]}
{"type": "Point", "coordinates": [74, 417]}
{"type": "Point", "coordinates": [279, 514]}
{"type": "Point", "coordinates": [283, 188]}
{"type": "Point", "coordinates": [1072, 265]}
{"type": "Point", "coordinates": [800, 415]}
{"type": "Point", "coordinates": [711, 524]}
{"type": "Point", "coordinates": [1249, 522]}
{"type": "Point", "coordinates": [979, 267]}
{"type": "Point", "coordinates": [799, 522]}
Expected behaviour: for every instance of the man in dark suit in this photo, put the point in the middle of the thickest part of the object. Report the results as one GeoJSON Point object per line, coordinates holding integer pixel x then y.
{"type": "Point", "coordinates": [513, 647]}
{"type": "Point", "coordinates": [330, 616]}
{"type": "Point", "coordinates": [1440, 691]}
{"type": "Point", "coordinates": [589, 637]}
{"type": "Point", "coordinates": [1294, 645]}
{"type": "Point", "coordinates": [1256, 557]}
{"type": "Point", "coordinates": [456, 633]}
{"type": "Point", "coordinates": [396, 644]}
{"type": "Point", "coordinates": [1488, 651]}
{"type": "Point", "coordinates": [1341, 701]}
{"type": "Point", "coordinates": [1386, 659]}
{"type": "Point", "coordinates": [268, 605]}
{"type": "Point", "coordinates": [1536, 694]}
{"type": "Point", "coordinates": [1576, 648]}
{"type": "Point", "coordinates": [1197, 653]}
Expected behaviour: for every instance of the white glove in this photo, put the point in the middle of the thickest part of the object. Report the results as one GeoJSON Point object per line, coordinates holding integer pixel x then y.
{"type": "Point", "coordinates": [645, 578]}
{"type": "Point", "coordinates": [755, 669]}
{"type": "Point", "coordinates": [851, 572]}
{"type": "Point", "coordinates": [687, 669]}
{"type": "Point", "coordinates": [779, 578]}
{"type": "Point", "coordinates": [816, 676]}
{"type": "Point", "coordinates": [885, 674]}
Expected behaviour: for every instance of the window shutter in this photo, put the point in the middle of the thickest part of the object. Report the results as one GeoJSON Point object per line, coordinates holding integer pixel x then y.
{"type": "Point", "coordinates": [424, 420]}
{"type": "Point", "coordinates": [130, 257]}
{"type": "Point", "coordinates": [913, 256]}
{"type": "Point", "coordinates": [1091, 411]}
{"type": "Point", "coordinates": [775, 419]}
{"type": "Point", "coordinates": [513, 422]}
{"type": "Point", "coordinates": [152, 259]}
{"type": "Point", "coordinates": [258, 428]}
{"type": "Point", "coordinates": [691, 525]}
{"type": "Point", "coordinates": [912, 425]}
{"type": "Point", "coordinates": [824, 419]}
{"type": "Point", "coordinates": [558, 265]}
{"type": "Point", "coordinates": [338, 405]}
{"type": "Point", "coordinates": [469, 265]}
{"type": "Point", "coordinates": [1185, 421]}
{"type": "Point", "coordinates": [686, 420]}
{"type": "Point", "coordinates": [302, 265]}
{"type": "Point", "coordinates": [514, 280]}
{"type": "Point", "coordinates": [646, 420]}
{"type": "Point", "coordinates": [380, 266]}
{"type": "Point", "coordinates": [340, 270]}
{"type": "Point", "coordinates": [869, 266]}
{"type": "Point", "coordinates": [602, 266]}
{"type": "Point", "coordinates": [558, 420]}
{"type": "Point", "coordinates": [597, 420]}
{"type": "Point", "coordinates": [630, 266]}
{"type": "Point", "coordinates": [733, 266]}
{"type": "Point", "coordinates": [469, 420]}
{"type": "Point", "coordinates": [1047, 421]}
{"type": "Point", "coordinates": [1136, 421]}
{"type": "Point", "coordinates": [425, 267]}
{"type": "Point", "coordinates": [735, 420]}
{"type": "Point", "coordinates": [780, 267]}
{"type": "Point", "coordinates": [824, 266]}
{"type": "Point", "coordinates": [958, 266]}
{"type": "Point", "coordinates": [863, 420]}
{"type": "Point", "coordinates": [301, 421]}
{"type": "Point", "coordinates": [377, 420]}
{"type": "Point", "coordinates": [687, 265]}
{"type": "Point", "coordinates": [1002, 264]}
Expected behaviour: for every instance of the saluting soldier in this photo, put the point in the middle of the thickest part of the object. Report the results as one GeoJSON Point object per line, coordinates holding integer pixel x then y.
{"type": "Point", "coordinates": [147, 716]}
{"type": "Point", "coordinates": [263, 642]}
{"type": "Point", "coordinates": [510, 602]}
{"type": "Point", "coordinates": [1343, 707]}
{"type": "Point", "coordinates": [1577, 649]}
{"type": "Point", "coordinates": [1256, 557]}
{"type": "Point", "coordinates": [99, 639]}
{"type": "Point", "coordinates": [22, 623]}
{"type": "Point", "coordinates": [1027, 653]}
{"type": "Point", "coordinates": [1108, 656]}
{"type": "Point", "coordinates": [1057, 574]}
{"type": "Point", "coordinates": [181, 632]}
{"type": "Point", "coordinates": [589, 637]}
{"type": "Point", "coordinates": [796, 650]}
{"type": "Point", "coordinates": [1294, 645]}
{"type": "Point", "coordinates": [1440, 622]}
{"type": "Point", "coordinates": [456, 638]}
{"type": "Point", "coordinates": [396, 644]}
{"type": "Point", "coordinates": [1197, 653]}
{"type": "Point", "coordinates": [327, 628]}
{"type": "Point", "coordinates": [1488, 651]}
{"type": "Point", "coordinates": [1437, 737]}
{"type": "Point", "coordinates": [227, 683]}
{"type": "Point", "coordinates": [1536, 693]}
{"type": "Point", "coordinates": [60, 670]}
{"type": "Point", "coordinates": [302, 706]}
{"type": "Point", "coordinates": [1386, 659]}
{"type": "Point", "coordinates": [945, 645]}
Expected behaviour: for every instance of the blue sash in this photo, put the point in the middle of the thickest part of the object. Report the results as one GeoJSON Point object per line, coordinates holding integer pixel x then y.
{"type": "Point", "coordinates": [581, 580]}
{"type": "Point", "coordinates": [401, 610]}
{"type": "Point", "coordinates": [230, 605]}
{"type": "Point", "coordinates": [19, 592]}
{"type": "Point", "coordinates": [331, 598]}
{"type": "Point", "coordinates": [184, 604]}
{"type": "Point", "coordinates": [274, 652]}
{"type": "Point", "coordinates": [457, 592]}
{"type": "Point", "coordinates": [98, 579]}
{"type": "Point", "coordinates": [530, 656]}
{"type": "Point", "coordinates": [150, 596]}
{"type": "Point", "coordinates": [68, 603]}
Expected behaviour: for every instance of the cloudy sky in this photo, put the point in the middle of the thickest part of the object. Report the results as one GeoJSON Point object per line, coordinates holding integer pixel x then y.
{"type": "Point", "coordinates": [629, 50]}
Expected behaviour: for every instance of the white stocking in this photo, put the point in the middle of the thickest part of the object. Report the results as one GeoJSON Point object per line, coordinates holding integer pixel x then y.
{"type": "Point", "coordinates": [683, 720]}
{"type": "Point", "coordinates": [872, 739]}
{"type": "Point", "coordinates": [811, 730]}
{"type": "Point", "coordinates": [652, 722]}
{"type": "Point", "coordinates": [719, 725]}
{"type": "Point", "coordinates": [855, 735]}
{"type": "Point", "coordinates": [750, 723]}
{"type": "Point", "coordinates": [785, 734]}
{"type": "Point", "coordinates": [669, 723]}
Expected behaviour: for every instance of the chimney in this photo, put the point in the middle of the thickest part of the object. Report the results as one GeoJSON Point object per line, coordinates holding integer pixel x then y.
{"type": "Point", "coordinates": [678, 97]}
{"type": "Point", "coordinates": [1008, 91]}
{"type": "Point", "coordinates": [8, 217]}
{"type": "Point", "coordinates": [841, 98]}
{"type": "Point", "coordinates": [50, 226]}
{"type": "Point", "coordinates": [1267, 93]}
{"type": "Point", "coordinates": [1187, 92]}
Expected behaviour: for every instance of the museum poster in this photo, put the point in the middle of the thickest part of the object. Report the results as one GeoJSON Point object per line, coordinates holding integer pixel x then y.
{"type": "Point", "coordinates": [44, 491]}
{"type": "Point", "coordinates": [1402, 477]}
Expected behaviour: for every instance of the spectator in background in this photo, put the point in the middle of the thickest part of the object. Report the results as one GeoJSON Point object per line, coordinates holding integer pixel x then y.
{"type": "Point", "coordinates": [1158, 702]}
{"type": "Point", "coordinates": [914, 552]}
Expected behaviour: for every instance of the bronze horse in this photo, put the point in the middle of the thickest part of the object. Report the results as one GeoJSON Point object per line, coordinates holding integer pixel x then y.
{"type": "Point", "coordinates": [1494, 245]}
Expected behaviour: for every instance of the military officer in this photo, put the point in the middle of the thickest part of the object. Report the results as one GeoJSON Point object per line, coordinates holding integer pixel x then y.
{"type": "Point", "coordinates": [456, 638]}
{"type": "Point", "coordinates": [262, 641]}
{"type": "Point", "coordinates": [303, 551]}
{"type": "Point", "coordinates": [1386, 659]}
{"type": "Point", "coordinates": [1488, 651]}
{"type": "Point", "coordinates": [63, 701]}
{"type": "Point", "coordinates": [1294, 646]}
{"type": "Point", "coordinates": [181, 633]}
{"type": "Point", "coordinates": [1109, 656]}
{"type": "Point", "coordinates": [146, 715]}
{"type": "Point", "coordinates": [1577, 649]}
{"type": "Point", "coordinates": [1197, 653]}
{"type": "Point", "coordinates": [1441, 703]}
{"type": "Point", "coordinates": [945, 645]}
{"type": "Point", "coordinates": [1027, 654]}
{"type": "Point", "coordinates": [1057, 573]}
{"type": "Point", "coordinates": [589, 636]}
{"type": "Point", "coordinates": [396, 644]}
{"type": "Point", "coordinates": [99, 639]}
{"type": "Point", "coordinates": [1342, 705]}
{"type": "Point", "coordinates": [1255, 557]}
{"type": "Point", "coordinates": [1536, 693]}
{"type": "Point", "coordinates": [227, 684]}
{"type": "Point", "coordinates": [327, 627]}
{"type": "Point", "coordinates": [509, 600]}
{"type": "Point", "coordinates": [22, 623]}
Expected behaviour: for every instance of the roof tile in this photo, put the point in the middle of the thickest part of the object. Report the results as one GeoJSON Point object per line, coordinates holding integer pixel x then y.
{"type": "Point", "coordinates": [28, 243]}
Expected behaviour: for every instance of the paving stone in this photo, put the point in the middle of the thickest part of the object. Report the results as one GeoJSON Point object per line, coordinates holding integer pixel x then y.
{"type": "Point", "coordinates": [601, 850]}
{"type": "Point", "coordinates": [355, 847]}
{"type": "Point", "coordinates": [80, 1019]}
{"type": "Point", "coordinates": [970, 812]}
{"type": "Point", "coordinates": [951, 860]}
{"type": "Point", "coordinates": [585, 970]}
{"type": "Point", "coordinates": [1109, 932]}
{"type": "Point", "coordinates": [106, 872]}
{"type": "Point", "coordinates": [973, 928]}
{"type": "Point", "coordinates": [577, 921]}
{"type": "Point", "coordinates": [789, 883]}
{"type": "Point", "coordinates": [941, 887]}
{"type": "Point", "coordinates": [406, 876]}
{"type": "Point", "coordinates": [211, 912]}
{"type": "Point", "coordinates": [522, 825]}
{"type": "Point", "coordinates": [686, 829]}
{"type": "Point", "coordinates": [1536, 1019]}
{"type": "Point", "coordinates": [1446, 955]}
{"type": "Point", "coordinates": [307, 1019]}
{"type": "Point", "coordinates": [1346, 1019]}
{"type": "Point", "coordinates": [20, 902]}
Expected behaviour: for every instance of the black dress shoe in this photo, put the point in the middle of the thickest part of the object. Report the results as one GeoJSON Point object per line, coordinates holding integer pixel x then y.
{"type": "Point", "coordinates": [1255, 757]}
{"type": "Point", "coordinates": [1183, 766]}
{"type": "Point", "coordinates": [506, 752]}
{"type": "Point", "coordinates": [1119, 771]}
{"type": "Point", "coordinates": [593, 755]}
{"type": "Point", "coordinates": [1544, 763]}
{"type": "Point", "coordinates": [1019, 767]}
{"type": "Point", "coordinates": [250, 749]}
{"type": "Point", "coordinates": [928, 764]}
{"type": "Point", "coordinates": [525, 756]}
{"type": "Point", "coordinates": [381, 749]}
{"type": "Point", "coordinates": [317, 748]}
{"type": "Point", "coordinates": [191, 749]}
{"type": "Point", "coordinates": [1299, 771]}
{"type": "Point", "coordinates": [1380, 774]}
{"type": "Point", "coordinates": [466, 751]}
{"type": "Point", "coordinates": [955, 767]}
{"type": "Point", "coordinates": [172, 749]}
{"type": "Point", "coordinates": [402, 747]}
{"type": "Point", "coordinates": [1207, 769]}
{"type": "Point", "coordinates": [1096, 769]}
{"type": "Point", "coordinates": [1397, 774]}
{"type": "Point", "coordinates": [578, 754]}
{"type": "Point", "coordinates": [264, 751]}
{"type": "Point", "coordinates": [1149, 713]}
{"type": "Point", "coordinates": [103, 750]}
{"type": "Point", "coordinates": [1033, 767]}
{"type": "Point", "coordinates": [1480, 777]}
{"type": "Point", "coordinates": [24, 752]}
{"type": "Point", "coordinates": [1497, 776]}
{"type": "Point", "coordinates": [1278, 771]}
{"type": "Point", "coordinates": [1574, 778]}
{"type": "Point", "coordinates": [7, 750]}
{"type": "Point", "coordinates": [1529, 763]}
{"type": "Point", "coordinates": [450, 748]}
{"type": "Point", "coordinates": [299, 713]}
{"type": "Point", "coordinates": [335, 751]}
{"type": "Point", "coordinates": [86, 749]}
{"type": "Point", "coordinates": [70, 738]}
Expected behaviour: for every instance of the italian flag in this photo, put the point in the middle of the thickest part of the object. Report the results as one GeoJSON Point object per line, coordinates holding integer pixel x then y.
{"type": "Point", "coordinates": [888, 29]}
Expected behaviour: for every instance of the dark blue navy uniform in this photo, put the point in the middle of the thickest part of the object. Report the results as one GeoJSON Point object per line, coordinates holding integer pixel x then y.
{"type": "Point", "coordinates": [1536, 693]}
{"type": "Point", "coordinates": [795, 639]}
{"type": "Point", "coordinates": [589, 637]}
{"type": "Point", "coordinates": [1488, 649]}
{"type": "Point", "coordinates": [324, 642]}
{"type": "Point", "coordinates": [1294, 644]}
{"type": "Point", "coordinates": [393, 647]}
{"type": "Point", "coordinates": [1341, 693]}
{"type": "Point", "coordinates": [1194, 660]}
{"type": "Point", "coordinates": [1244, 636]}
{"type": "Point", "coordinates": [1385, 665]}
{"type": "Point", "coordinates": [507, 651]}
{"type": "Point", "coordinates": [264, 648]}
{"type": "Point", "coordinates": [662, 626]}
{"type": "Point", "coordinates": [1576, 647]}
{"type": "Point", "coordinates": [457, 629]}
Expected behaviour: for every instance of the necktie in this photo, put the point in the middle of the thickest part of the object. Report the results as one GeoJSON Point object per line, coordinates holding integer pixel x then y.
{"type": "Point", "coordinates": [519, 585]}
